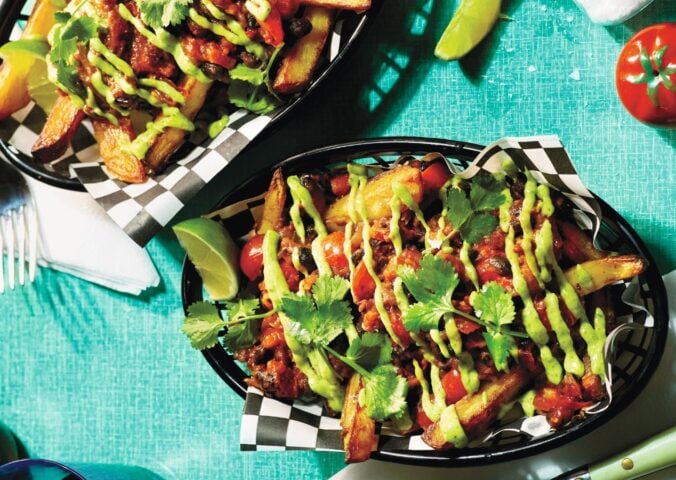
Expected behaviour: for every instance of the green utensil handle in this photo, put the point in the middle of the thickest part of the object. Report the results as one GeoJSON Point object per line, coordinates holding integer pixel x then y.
{"type": "Point", "coordinates": [654, 454]}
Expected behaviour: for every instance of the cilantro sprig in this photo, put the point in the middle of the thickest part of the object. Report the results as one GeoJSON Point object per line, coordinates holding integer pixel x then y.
{"type": "Point", "coordinates": [432, 286]}
{"type": "Point", "coordinates": [163, 13]}
{"type": "Point", "coordinates": [251, 88]}
{"type": "Point", "coordinates": [315, 321]}
{"type": "Point", "coordinates": [204, 325]}
{"type": "Point", "coordinates": [471, 217]}
{"type": "Point", "coordinates": [496, 309]}
{"type": "Point", "coordinates": [69, 31]}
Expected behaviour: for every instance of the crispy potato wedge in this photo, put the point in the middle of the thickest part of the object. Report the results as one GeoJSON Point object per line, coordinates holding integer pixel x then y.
{"type": "Point", "coordinates": [377, 194]}
{"type": "Point", "coordinates": [478, 411]}
{"type": "Point", "coordinates": [359, 430]}
{"type": "Point", "coordinates": [120, 163]}
{"type": "Point", "coordinates": [593, 275]}
{"type": "Point", "coordinates": [13, 88]}
{"type": "Point", "coordinates": [273, 208]}
{"type": "Point", "coordinates": [58, 131]}
{"type": "Point", "coordinates": [577, 245]}
{"type": "Point", "coordinates": [297, 67]}
{"type": "Point", "coordinates": [356, 5]}
{"type": "Point", "coordinates": [171, 139]}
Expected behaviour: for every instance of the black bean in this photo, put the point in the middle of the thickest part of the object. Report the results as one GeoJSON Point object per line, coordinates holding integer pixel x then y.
{"type": "Point", "coordinates": [213, 71]}
{"type": "Point", "coordinates": [501, 265]}
{"type": "Point", "coordinates": [300, 27]}
{"type": "Point", "coordinates": [357, 255]}
{"type": "Point", "coordinates": [249, 60]}
{"type": "Point", "coordinates": [306, 259]}
{"type": "Point", "coordinates": [124, 101]}
{"type": "Point", "coordinates": [251, 20]}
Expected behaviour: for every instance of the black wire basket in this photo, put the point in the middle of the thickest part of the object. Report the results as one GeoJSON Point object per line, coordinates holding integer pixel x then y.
{"type": "Point", "coordinates": [13, 15]}
{"type": "Point", "coordinates": [637, 351]}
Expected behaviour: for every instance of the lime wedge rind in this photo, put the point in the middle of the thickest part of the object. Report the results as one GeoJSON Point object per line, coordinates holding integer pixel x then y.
{"type": "Point", "coordinates": [469, 26]}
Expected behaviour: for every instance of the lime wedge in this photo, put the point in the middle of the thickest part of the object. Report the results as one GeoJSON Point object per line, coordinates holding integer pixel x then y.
{"type": "Point", "coordinates": [470, 24]}
{"type": "Point", "coordinates": [36, 47]}
{"type": "Point", "coordinates": [214, 254]}
{"type": "Point", "coordinates": [40, 89]}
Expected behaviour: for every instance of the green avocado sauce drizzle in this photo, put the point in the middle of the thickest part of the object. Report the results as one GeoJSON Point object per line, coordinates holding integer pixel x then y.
{"type": "Point", "coordinates": [322, 379]}
{"type": "Point", "coordinates": [433, 407]}
{"type": "Point", "coordinates": [525, 222]}
{"type": "Point", "coordinates": [232, 31]}
{"type": "Point", "coordinates": [531, 321]}
{"type": "Point", "coordinates": [594, 336]}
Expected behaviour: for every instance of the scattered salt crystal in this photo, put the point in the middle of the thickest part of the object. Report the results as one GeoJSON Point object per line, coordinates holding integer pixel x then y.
{"type": "Point", "coordinates": [532, 68]}
{"type": "Point", "coordinates": [543, 8]}
{"type": "Point", "coordinates": [509, 49]}
{"type": "Point", "coordinates": [575, 74]}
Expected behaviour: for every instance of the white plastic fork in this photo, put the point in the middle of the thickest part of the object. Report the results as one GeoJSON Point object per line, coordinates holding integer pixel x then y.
{"type": "Point", "coordinates": [18, 228]}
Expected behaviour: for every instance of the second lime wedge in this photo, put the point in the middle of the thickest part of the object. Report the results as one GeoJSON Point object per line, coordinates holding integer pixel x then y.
{"type": "Point", "coordinates": [214, 254]}
{"type": "Point", "coordinates": [470, 24]}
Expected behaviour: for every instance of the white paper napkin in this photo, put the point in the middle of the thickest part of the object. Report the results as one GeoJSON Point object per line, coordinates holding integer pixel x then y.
{"type": "Point", "coordinates": [79, 238]}
{"type": "Point", "coordinates": [651, 413]}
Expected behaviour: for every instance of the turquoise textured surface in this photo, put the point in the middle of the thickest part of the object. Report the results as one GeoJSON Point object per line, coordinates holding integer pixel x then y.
{"type": "Point", "coordinates": [89, 375]}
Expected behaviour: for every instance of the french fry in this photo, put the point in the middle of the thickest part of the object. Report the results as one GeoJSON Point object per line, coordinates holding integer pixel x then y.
{"type": "Point", "coordinates": [377, 194]}
{"type": "Point", "coordinates": [120, 163]}
{"type": "Point", "coordinates": [297, 67]}
{"type": "Point", "coordinates": [593, 275]}
{"type": "Point", "coordinates": [13, 87]}
{"type": "Point", "coordinates": [356, 5]}
{"type": "Point", "coordinates": [359, 430]}
{"type": "Point", "coordinates": [577, 245]}
{"type": "Point", "coordinates": [478, 411]}
{"type": "Point", "coordinates": [58, 131]}
{"type": "Point", "coordinates": [273, 208]}
{"type": "Point", "coordinates": [171, 139]}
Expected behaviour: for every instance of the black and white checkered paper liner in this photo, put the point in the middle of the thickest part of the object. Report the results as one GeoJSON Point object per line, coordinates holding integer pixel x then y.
{"type": "Point", "coordinates": [270, 424]}
{"type": "Point", "coordinates": [141, 210]}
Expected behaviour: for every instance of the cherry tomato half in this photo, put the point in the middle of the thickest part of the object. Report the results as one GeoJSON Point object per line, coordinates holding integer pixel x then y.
{"type": "Point", "coordinates": [272, 30]}
{"type": "Point", "coordinates": [251, 258]}
{"type": "Point", "coordinates": [362, 284]}
{"type": "Point", "coordinates": [646, 77]}
{"type": "Point", "coordinates": [340, 184]}
{"type": "Point", "coordinates": [453, 386]}
{"type": "Point", "coordinates": [435, 175]}
{"type": "Point", "coordinates": [333, 252]}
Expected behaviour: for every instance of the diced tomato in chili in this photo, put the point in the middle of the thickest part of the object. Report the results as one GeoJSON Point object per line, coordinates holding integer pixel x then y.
{"type": "Point", "coordinates": [340, 184]}
{"type": "Point", "coordinates": [290, 274]}
{"type": "Point", "coordinates": [453, 386]}
{"type": "Point", "coordinates": [287, 8]}
{"type": "Point", "coordinates": [334, 254]}
{"type": "Point", "coordinates": [272, 31]}
{"type": "Point", "coordinates": [465, 326]}
{"type": "Point", "coordinates": [421, 417]}
{"type": "Point", "coordinates": [362, 283]}
{"type": "Point", "coordinates": [435, 176]}
{"type": "Point", "coordinates": [398, 328]}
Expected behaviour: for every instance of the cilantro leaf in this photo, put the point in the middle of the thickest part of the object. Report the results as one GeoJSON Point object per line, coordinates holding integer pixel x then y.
{"type": "Point", "coordinates": [432, 285]}
{"type": "Point", "coordinates": [248, 96]}
{"type": "Point", "coordinates": [494, 305]}
{"type": "Point", "coordinates": [385, 393]}
{"type": "Point", "coordinates": [163, 13]}
{"type": "Point", "coordinates": [500, 346]}
{"type": "Point", "coordinates": [202, 325]}
{"type": "Point", "coordinates": [478, 226]}
{"type": "Point", "coordinates": [370, 350]}
{"type": "Point", "coordinates": [486, 193]}
{"type": "Point", "coordinates": [255, 76]}
{"type": "Point", "coordinates": [321, 318]}
{"type": "Point", "coordinates": [470, 216]}
{"type": "Point", "coordinates": [241, 335]}
{"type": "Point", "coordinates": [62, 17]}
{"type": "Point", "coordinates": [69, 32]}
{"type": "Point", "coordinates": [80, 28]}
{"type": "Point", "coordinates": [459, 207]}
{"type": "Point", "coordinates": [244, 307]}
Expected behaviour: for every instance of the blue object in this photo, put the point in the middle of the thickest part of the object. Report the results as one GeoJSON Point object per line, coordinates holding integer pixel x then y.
{"type": "Point", "coordinates": [38, 469]}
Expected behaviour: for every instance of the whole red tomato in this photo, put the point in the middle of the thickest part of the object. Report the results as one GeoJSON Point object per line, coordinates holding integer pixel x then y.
{"type": "Point", "coordinates": [646, 75]}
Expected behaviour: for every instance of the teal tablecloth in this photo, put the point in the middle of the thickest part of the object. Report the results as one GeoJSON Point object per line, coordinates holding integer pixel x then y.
{"type": "Point", "coordinates": [91, 375]}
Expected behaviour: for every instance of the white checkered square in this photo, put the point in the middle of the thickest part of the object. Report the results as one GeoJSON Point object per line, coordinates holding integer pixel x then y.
{"type": "Point", "coordinates": [164, 207]}
{"type": "Point", "coordinates": [102, 189]}
{"type": "Point", "coordinates": [124, 212]}
{"type": "Point", "coordinates": [254, 127]}
{"type": "Point", "coordinates": [89, 154]}
{"type": "Point", "coordinates": [23, 139]}
{"type": "Point", "coordinates": [136, 189]}
{"type": "Point", "coordinates": [20, 115]}
{"type": "Point", "coordinates": [311, 408]}
{"type": "Point", "coordinates": [274, 408]}
{"type": "Point", "coordinates": [301, 435]}
{"type": "Point", "coordinates": [174, 177]}
{"type": "Point", "coordinates": [541, 160]}
{"type": "Point", "coordinates": [329, 423]}
{"type": "Point", "coordinates": [248, 428]}
{"type": "Point", "coordinates": [575, 184]}
{"type": "Point", "coordinates": [210, 165]}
